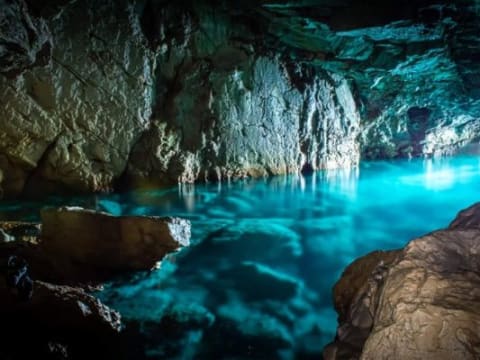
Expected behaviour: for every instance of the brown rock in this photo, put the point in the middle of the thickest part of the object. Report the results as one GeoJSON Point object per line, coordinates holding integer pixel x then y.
{"type": "Point", "coordinates": [355, 298]}
{"type": "Point", "coordinates": [90, 245]}
{"type": "Point", "coordinates": [430, 302]}
{"type": "Point", "coordinates": [468, 218]}
{"type": "Point", "coordinates": [355, 277]}
{"type": "Point", "coordinates": [424, 304]}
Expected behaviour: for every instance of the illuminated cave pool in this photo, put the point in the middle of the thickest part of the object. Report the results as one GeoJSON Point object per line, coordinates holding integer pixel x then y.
{"type": "Point", "coordinates": [257, 281]}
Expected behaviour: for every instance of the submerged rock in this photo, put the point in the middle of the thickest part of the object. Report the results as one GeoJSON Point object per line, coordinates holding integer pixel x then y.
{"type": "Point", "coordinates": [420, 302]}
{"type": "Point", "coordinates": [91, 245]}
{"type": "Point", "coordinates": [256, 282]}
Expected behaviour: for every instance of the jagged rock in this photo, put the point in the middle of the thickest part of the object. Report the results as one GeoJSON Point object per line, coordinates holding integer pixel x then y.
{"type": "Point", "coordinates": [420, 302]}
{"type": "Point", "coordinates": [90, 245]}
{"type": "Point", "coordinates": [402, 58]}
{"type": "Point", "coordinates": [71, 123]}
{"type": "Point", "coordinates": [153, 93]}
{"type": "Point", "coordinates": [251, 120]}
{"type": "Point", "coordinates": [57, 316]}
{"type": "Point", "coordinates": [221, 111]}
{"type": "Point", "coordinates": [25, 41]}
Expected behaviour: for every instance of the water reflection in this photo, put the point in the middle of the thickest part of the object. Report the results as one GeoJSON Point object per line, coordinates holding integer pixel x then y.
{"type": "Point", "coordinates": [267, 252]}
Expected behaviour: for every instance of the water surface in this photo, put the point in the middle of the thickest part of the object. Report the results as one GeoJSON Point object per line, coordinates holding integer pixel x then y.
{"type": "Point", "coordinates": [257, 280]}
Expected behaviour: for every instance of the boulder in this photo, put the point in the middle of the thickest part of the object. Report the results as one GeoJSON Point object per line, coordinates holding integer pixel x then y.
{"type": "Point", "coordinates": [92, 245]}
{"type": "Point", "coordinates": [422, 302]}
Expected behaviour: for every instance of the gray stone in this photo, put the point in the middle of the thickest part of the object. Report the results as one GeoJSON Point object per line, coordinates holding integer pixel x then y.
{"type": "Point", "coordinates": [25, 41]}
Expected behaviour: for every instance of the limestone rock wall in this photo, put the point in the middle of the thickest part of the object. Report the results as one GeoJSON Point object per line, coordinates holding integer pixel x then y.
{"type": "Point", "coordinates": [72, 118]}
{"type": "Point", "coordinates": [151, 92]}
{"type": "Point", "coordinates": [159, 94]}
{"type": "Point", "coordinates": [249, 120]}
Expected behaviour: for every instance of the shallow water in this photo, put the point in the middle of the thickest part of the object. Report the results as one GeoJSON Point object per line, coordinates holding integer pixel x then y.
{"type": "Point", "coordinates": [256, 283]}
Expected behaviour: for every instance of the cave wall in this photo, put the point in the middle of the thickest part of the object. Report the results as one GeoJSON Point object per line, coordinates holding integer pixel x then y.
{"type": "Point", "coordinates": [226, 108]}
{"type": "Point", "coordinates": [71, 119]}
{"type": "Point", "coordinates": [157, 94]}
{"type": "Point", "coordinates": [98, 95]}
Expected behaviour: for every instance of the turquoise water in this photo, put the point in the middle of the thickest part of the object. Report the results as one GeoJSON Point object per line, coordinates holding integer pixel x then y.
{"type": "Point", "coordinates": [256, 282]}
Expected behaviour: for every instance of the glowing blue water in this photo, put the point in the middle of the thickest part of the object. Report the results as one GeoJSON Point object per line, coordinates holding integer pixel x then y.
{"type": "Point", "coordinates": [256, 283]}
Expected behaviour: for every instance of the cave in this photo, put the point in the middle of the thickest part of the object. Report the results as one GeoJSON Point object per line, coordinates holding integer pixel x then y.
{"type": "Point", "coordinates": [257, 179]}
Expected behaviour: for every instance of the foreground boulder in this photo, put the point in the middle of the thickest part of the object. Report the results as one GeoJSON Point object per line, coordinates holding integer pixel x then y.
{"type": "Point", "coordinates": [422, 302]}
{"type": "Point", "coordinates": [74, 245]}
{"type": "Point", "coordinates": [77, 247]}
{"type": "Point", "coordinates": [92, 245]}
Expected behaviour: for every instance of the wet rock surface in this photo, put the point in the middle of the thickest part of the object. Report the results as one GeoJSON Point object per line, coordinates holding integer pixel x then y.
{"type": "Point", "coordinates": [419, 302]}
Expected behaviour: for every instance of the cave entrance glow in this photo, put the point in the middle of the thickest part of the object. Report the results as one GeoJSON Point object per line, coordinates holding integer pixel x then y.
{"type": "Point", "coordinates": [256, 283]}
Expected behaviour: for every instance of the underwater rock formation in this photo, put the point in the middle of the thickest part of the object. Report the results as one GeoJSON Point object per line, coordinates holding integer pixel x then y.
{"type": "Point", "coordinates": [419, 302]}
